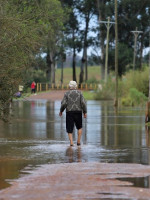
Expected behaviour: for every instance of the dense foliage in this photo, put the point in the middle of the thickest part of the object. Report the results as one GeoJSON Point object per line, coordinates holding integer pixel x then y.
{"type": "Point", "coordinates": [25, 27]}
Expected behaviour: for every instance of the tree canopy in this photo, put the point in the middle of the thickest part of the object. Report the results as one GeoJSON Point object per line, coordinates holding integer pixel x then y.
{"type": "Point", "coordinates": [25, 28]}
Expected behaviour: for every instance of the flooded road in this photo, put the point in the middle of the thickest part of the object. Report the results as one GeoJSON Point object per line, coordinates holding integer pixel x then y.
{"type": "Point", "coordinates": [37, 135]}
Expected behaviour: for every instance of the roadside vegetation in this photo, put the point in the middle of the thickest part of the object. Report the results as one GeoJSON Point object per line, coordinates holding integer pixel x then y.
{"type": "Point", "coordinates": [133, 86]}
{"type": "Point", "coordinates": [37, 36]}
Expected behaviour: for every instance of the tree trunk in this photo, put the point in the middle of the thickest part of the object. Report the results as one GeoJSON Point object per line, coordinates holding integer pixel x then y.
{"type": "Point", "coordinates": [147, 114]}
{"type": "Point", "coordinates": [102, 38]}
{"type": "Point", "coordinates": [81, 74]}
{"type": "Point", "coordinates": [86, 45]}
{"type": "Point", "coordinates": [86, 66]}
{"type": "Point", "coordinates": [62, 71]}
{"type": "Point", "coordinates": [49, 67]}
{"type": "Point", "coordinates": [84, 56]}
{"type": "Point", "coordinates": [82, 68]}
{"type": "Point", "coordinates": [53, 70]}
{"type": "Point", "coordinates": [74, 59]}
{"type": "Point", "coordinates": [116, 55]}
{"type": "Point", "coordinates": [141, 51]}
{"type": "Point", "coordinates": [74, 65]}
{"type": "Point", "coordinates": [52, 67]}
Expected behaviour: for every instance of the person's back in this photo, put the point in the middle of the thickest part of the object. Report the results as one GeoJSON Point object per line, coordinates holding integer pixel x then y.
{"type": "Point", "coordinates": [75, 104]}
{"type": "Point", "coordinates": [73, 101]}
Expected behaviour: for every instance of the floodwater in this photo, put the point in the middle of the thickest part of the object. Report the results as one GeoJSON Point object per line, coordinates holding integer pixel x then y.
{"type": "Point", "coordinates": [37, 135]}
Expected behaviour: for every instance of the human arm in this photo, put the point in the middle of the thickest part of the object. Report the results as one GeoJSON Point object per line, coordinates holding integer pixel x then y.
{"type": "Point", "coordinates": [60, 114]}
{"type": "Point", "coordinates": [83, 105]}
{"type": "Point", "coordinates": [85, 115]}
{"type": "Point", "coordinates": [63, 105]}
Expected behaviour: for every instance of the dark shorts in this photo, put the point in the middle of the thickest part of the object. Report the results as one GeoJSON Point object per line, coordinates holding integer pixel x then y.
{"type": "Point", "coordinates": [73, 118]}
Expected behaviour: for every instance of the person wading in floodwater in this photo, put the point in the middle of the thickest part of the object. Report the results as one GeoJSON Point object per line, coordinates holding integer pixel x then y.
{"type": "Point", "coordinates": [74, 103]}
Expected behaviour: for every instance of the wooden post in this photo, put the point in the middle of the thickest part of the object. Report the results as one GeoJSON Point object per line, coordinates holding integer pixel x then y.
{"type": "Point", "coordinates": [37, 88]}
{"type": "Point", "coordinates": [40, 87]}
{"type": "Point", "coordinates": [86, 86]}
{"type": "Point", "coordinates": [46, 86]}
{"type": "Point", "coordinates": [90, 86]}
{"type": "Point", "coordinates": [52, 86]}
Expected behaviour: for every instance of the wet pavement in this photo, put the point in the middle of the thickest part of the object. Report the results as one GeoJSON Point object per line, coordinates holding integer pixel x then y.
{"type": "Point", "coordinates": [79, 181]}
{"type": "Point", "coordinates": [37, 137]}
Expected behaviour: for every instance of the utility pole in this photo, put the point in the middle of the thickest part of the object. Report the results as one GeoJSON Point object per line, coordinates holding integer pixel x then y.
{"type": "Point", "coordinates": [136, 33]}
{"type": "Point", "coordinates": [108, 25]}
{"type": "Point", "coordinates": [116, 54]}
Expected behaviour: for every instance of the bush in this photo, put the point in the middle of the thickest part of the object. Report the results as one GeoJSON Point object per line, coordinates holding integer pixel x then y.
{"type": "Point", "coordinates": [127, 101]}
{"type": "Point", "coordinates": [138, 80]}
{"type": "Point", "coordinates": [34, 75]}
{"type": "Point", "coordinates": [89, 95]}
{"type": "Point", "coordinates": [92, 80]}
{"type": "Point", "coordinates": [107, 92]}
{"type": "Point", "coordinates": [135, 97]}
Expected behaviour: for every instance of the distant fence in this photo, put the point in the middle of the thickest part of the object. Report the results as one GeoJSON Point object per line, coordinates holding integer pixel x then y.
{"type": "Point", "coordinates": [45, 87]}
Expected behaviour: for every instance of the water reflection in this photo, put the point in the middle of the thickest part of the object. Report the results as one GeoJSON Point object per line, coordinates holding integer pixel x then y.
{"type": "Point", "coordinates": [38, 135]}
{"type": "Point", "coordinates": [142, 182]}
{"type": "Point", "coordinates": [74, 155]}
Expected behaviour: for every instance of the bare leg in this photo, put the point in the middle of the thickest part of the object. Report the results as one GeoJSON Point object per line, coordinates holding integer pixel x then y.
{"type": "Point", "coordinates": [70, 138]}
{"type": "Point", "coordinates": [79, 136]}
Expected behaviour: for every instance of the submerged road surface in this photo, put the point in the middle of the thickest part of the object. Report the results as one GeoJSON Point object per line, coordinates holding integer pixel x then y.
{"type": "Point", "coordinates": [36, 143]}
{"type": "Point", "coordinates": [80, 181]}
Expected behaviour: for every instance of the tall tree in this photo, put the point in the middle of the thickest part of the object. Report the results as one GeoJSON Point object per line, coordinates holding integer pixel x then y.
{"type": "Point", "coordinates": [19, 40]}
{"type": "Point", "coordinates": [116, 53]}
{"type": "Point", "coordinates": [87, 10]}
{"type": "Point", "coordinates": [24, 27]}
{"type": "Point", "coordinates": [102, 14]}
{"type": "Point", "coordinates": [54, 23]}
{"type": "Point", "coordinates": [131, 14]}
{"type": "Point", "coordinates": [72, 32]}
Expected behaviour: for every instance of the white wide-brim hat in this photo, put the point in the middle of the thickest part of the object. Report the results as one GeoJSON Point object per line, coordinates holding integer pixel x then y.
{"type": "Point", "coordinates": [72, 85]}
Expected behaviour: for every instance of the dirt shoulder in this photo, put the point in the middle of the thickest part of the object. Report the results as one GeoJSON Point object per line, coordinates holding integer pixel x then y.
{"type": "Point", "coordinates": [51, 95]}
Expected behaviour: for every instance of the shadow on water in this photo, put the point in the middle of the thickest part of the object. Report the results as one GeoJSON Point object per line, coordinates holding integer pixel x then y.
{"type": "Point", "coordinates": [37, 135]}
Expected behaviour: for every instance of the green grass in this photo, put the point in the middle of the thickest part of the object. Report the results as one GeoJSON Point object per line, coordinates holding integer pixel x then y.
{"type": "Point", "coordinates": [93, 72]}
{"type": "Point", "coordinates": [88, 95]}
